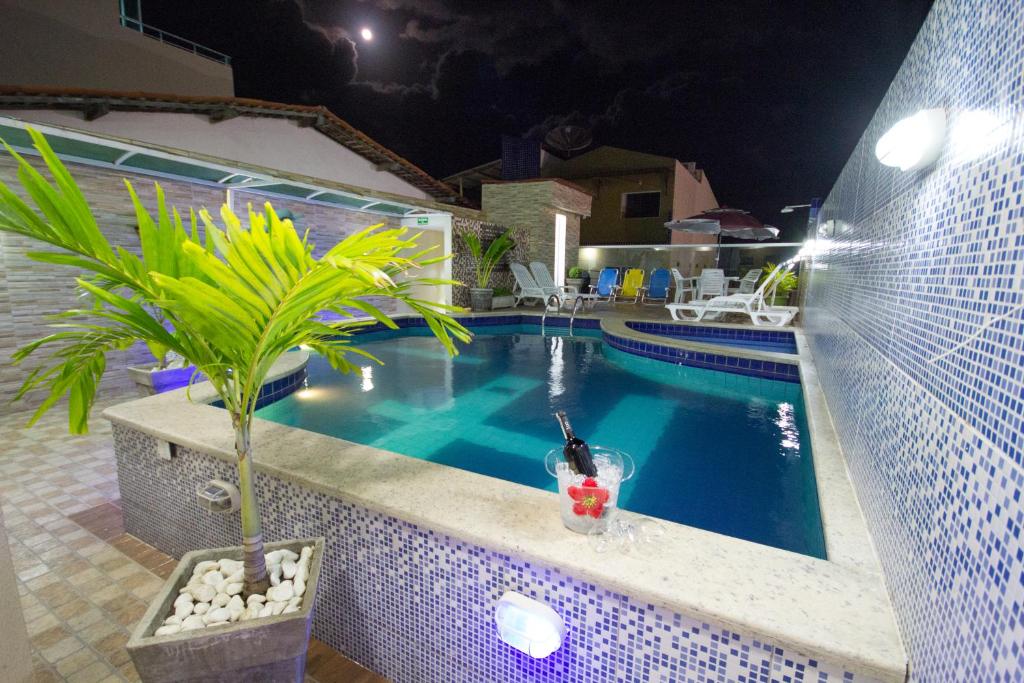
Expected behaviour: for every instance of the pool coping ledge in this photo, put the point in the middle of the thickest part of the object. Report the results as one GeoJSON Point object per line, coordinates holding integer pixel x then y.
{"type": "Point", "coordinates": [836, 611]}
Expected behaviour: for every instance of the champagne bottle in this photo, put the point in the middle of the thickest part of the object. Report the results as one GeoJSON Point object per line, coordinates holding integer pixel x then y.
{"type": "Point", "coordinates": [576, 450]}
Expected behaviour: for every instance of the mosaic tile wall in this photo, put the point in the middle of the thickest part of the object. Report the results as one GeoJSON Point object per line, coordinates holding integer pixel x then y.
{"type": "Point", "coordinates": [463, 266]}
{"type": "Point", "coordinates": [916, 324]}
{"type": "Point", "coordinates": [417, 606]}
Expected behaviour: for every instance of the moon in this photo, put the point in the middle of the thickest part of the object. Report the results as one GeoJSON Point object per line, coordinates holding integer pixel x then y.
{"type": "Point", "coordinates": [366, 34]}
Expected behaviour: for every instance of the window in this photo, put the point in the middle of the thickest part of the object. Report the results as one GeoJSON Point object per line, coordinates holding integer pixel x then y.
{"type": "Point", "coordinates": [641, 204]}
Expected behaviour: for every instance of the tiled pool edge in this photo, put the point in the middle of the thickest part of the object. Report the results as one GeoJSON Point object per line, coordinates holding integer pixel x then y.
{"type": "Point", "coordinates": [297, 456]}
{"type": "Point", "coordinates": [736, 360]}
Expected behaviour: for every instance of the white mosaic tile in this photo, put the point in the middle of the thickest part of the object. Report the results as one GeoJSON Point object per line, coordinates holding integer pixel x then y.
{"type": "Point", "coordinates": [932, 419]}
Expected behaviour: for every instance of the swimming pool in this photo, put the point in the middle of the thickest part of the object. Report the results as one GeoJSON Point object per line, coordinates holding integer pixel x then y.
{"type": "Point", "coordinates": [776, 341]}
{"type": "Point", "coordinates": [722, 452]}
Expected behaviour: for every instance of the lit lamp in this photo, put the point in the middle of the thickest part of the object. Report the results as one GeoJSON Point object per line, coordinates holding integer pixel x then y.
{"type": "Point", "coordinates": [528, 625]}
{"type": "Point", "coordinates": [914, 142]}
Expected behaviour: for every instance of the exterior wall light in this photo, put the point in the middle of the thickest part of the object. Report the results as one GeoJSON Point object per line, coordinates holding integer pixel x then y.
{"type": "Point", "coordinates": [529, 626]}
{"type": "Point", "coordinates": [914, 142]}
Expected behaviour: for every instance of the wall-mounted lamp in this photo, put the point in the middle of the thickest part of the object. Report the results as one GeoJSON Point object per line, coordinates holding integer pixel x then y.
{"type": "Point", "coordinates": [790, 208]}
{"type": "Point", "coordinates": [529, 626]}
{"type": "Point", "coordinates": [914, 142]}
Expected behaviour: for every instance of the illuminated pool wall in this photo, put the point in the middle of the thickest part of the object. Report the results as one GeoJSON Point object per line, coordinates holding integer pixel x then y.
{"type": "Point", "coordinates": [911, 266]}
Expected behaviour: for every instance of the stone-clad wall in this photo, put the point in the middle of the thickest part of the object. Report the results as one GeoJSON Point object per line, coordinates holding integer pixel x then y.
{"type": "Point", "coordinates": [463, 266]}
{"type": "Point", "coordinates": [532, 205]}
{"type": "Point", "coordinates": [30, 290]}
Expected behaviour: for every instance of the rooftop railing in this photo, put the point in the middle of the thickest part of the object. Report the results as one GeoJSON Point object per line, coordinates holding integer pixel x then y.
{"type": "Point", "coordinates": [174, 40]}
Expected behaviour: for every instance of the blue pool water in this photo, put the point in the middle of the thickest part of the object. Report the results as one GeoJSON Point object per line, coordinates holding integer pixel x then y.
{"type": "Point", "coordinates": [718, 451]}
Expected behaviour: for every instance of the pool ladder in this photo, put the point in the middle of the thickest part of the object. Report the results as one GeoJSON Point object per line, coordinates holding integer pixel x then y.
{"type": "Point", "coordinates": [557, 307]}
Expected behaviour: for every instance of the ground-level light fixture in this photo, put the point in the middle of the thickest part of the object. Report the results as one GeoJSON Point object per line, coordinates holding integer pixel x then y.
{"type": "Point", "coordinates": [914, 142]}
{"type": "Point", "coordinates": [528, 625]}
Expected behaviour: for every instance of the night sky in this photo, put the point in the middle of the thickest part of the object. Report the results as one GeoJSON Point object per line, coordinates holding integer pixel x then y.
{"type": "Point", "coordinates": [768, 97]}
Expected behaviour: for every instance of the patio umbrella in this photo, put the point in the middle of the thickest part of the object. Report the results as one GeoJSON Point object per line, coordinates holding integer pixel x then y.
{"type": "Point", "coordinates": [735, 223]}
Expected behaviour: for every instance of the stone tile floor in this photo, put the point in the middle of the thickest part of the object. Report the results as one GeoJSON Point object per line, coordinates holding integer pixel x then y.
{"type": "Point", "coordinates": [84, 582]}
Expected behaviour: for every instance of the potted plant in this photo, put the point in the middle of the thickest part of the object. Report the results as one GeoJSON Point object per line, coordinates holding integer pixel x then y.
{"type": "Point", "coordinates": [229, 304]}
{"type": "Point", "coordinates": [578, 278]}
{"type": "Point", "coordinates": [169, 371]}
{"type": "Point", "coordinates": [485, 262]}
{"type": "Point", "coordinates": [502, 298]}
{"type": "Point", "coordinates": [786, 284]}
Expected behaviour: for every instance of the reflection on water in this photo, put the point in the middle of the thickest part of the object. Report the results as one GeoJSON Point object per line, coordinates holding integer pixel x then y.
{"type": "Point", "coordinates": [706, 444]}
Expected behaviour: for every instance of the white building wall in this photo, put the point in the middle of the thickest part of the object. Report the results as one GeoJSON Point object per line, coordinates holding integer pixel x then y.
{"type": "Point", "coordinates": [81, 44]}
{"type": "Point", "coordinates": [271, 143]}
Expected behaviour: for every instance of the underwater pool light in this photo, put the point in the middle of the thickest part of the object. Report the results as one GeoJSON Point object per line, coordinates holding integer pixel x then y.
{"type": "Point", "coordinates": [914, 142]}
{"type": "Point", "coordinates": [528, 625]}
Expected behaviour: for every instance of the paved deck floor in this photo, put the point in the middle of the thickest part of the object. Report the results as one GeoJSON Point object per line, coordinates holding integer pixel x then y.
{"type": "Point", "coordinates": [83, 582]}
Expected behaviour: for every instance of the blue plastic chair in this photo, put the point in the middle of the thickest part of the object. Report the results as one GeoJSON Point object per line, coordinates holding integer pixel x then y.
{"type": "Point", "coordinates": [657, 287]}
{"type": "Point", "coordinates": [607, 287]}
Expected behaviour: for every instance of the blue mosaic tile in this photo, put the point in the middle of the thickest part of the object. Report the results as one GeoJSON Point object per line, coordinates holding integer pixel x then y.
{"type": "Point", "coordinates": [914, 317]}
{"type": "Point", "coordinates": [417, 606]}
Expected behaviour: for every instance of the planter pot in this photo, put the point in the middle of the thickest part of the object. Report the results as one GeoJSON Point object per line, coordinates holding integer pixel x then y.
{"type": "Point", "coordinates": [480, 298]}
{"type": "Point", "coordinates": [149, 381]}
{"type": "Point", "coordinates": [502, 302]}
{"type": "Point", "coordinates": [576, 282]}
{"type": "Point", "coordinates": [267, 649]}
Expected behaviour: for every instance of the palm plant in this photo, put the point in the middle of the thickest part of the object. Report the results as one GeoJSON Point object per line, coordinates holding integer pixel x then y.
{"type": "Point", "coordinates": [486, 261]}
{"type": "Point", "coordinates": [230, 303]}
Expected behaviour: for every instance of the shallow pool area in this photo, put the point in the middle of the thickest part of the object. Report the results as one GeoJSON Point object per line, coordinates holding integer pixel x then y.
{"type": "Point", "coordinates": [718, 451]}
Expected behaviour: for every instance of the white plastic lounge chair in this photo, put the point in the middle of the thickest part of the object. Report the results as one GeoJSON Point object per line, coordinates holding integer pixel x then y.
{"type": "Point", "coordinates": [754, 305]}
{"type": "Point", "coordinates": [526, 288]}
{"type": "Point", "coordinates": [711, 283]}
{"type": "Point", "coordinates": [748, 283]}
{"type": "Point", "coordinates": [682, 285]}
{"type": "Point", "coordinates": [542, 276]}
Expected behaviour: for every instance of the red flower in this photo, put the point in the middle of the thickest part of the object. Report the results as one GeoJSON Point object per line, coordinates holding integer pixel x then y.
{"type": "Point", "coordinates": [590, 498]}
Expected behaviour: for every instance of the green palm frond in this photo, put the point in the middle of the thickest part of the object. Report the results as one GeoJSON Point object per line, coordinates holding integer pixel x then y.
{"type": "Point", "coordinates": [229, 302]}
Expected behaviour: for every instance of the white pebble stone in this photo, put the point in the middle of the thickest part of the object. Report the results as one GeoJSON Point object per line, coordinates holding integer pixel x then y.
{"type": "Point", "coordinates": [273, 557]}
{"type": "Point", "coordinates": [233, 588]}
{"type": "Point", "coordinates": [183, 610]}
{"type": "Point", "coordinates": [256, 597]}
{"type": "Point", "coordinates": [289, 609]}
{"type": "Point", "coordinates": [299, 588]}
{"type": "Point", "coordinates": [288, 568]}
{"type": "Point", "coordinates": [296, 601]}
{"type": "Point", "coordinates": [216, 623]}
{"type": "Point", "coordinates": [183, 599]}
{"type": "Point", "coordinates": [267, 610]}
{"type": "Point", "coordinates": [275, 575]}
{"type": "Point", "coordinates": [213, 578]}
{"type": "Point", "coordinates": [285, 591]}
{"type": "Point", "coordinates": [173, 619]}
{"type": "Point", "coordinates": [237, 577]}
{"type": "Point", "coordinates": [220, 600]}
{"type": "Point", "coordinates": [203, 567]}
{"type": "Point", "coordinates": [229, 567]}
{"type": "Point", "coordinates": [251, 612]}
{"type": "Point", "coordinates": [301, 572]}
{"type": "Point", "coordinates": [277, 607]}
{"type": "Point", "coordinates": [167, 630]}
{"type": "Point", "coordinates": [194, 621]}
{"type": "Point", "coordinates": [214, 615]}
{"type": "Point", "coordinates": [289, 555]}
{"type": "Point", "coordinates": [204, 593]}
{"type": "Point", "coordinates": [201, 608]}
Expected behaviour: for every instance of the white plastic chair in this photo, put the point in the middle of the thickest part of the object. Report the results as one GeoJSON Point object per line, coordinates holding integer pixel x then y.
{"type": "Point", "coordinates": [711, 283]}
{"type": "Point", "coordinates": [682, 285]}
{"type": "Point", "coordinates": [754, 305]}
{"type": "Point", "coordinates": [526, 288]}
{"type": "Point", "coordinates": [748, 283]}
{"type": "Point", "coordinates": [542, 276]}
